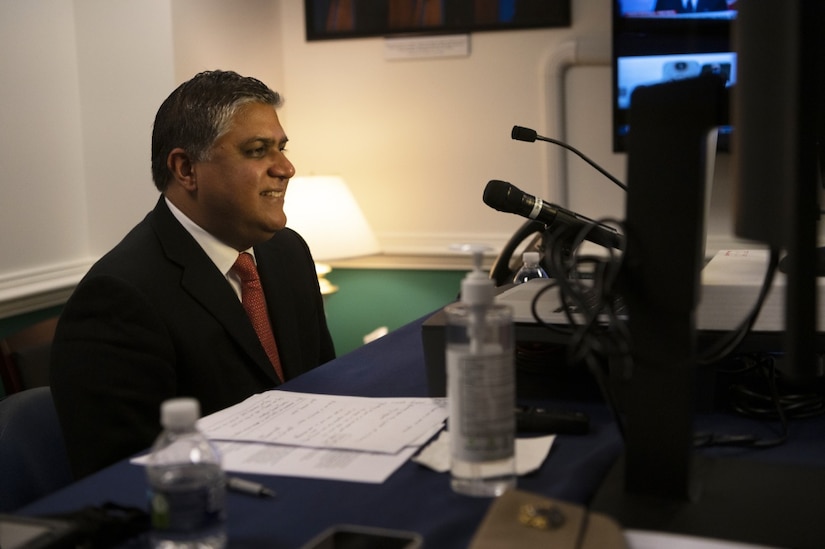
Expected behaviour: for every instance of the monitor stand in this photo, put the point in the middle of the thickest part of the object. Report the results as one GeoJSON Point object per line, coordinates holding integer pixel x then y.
{"type": "Point", "coordinates": [737, 499]}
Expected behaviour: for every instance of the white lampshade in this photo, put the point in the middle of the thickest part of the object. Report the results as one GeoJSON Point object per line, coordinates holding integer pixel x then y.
{"type": "Point", "coordinates": [323, 211]}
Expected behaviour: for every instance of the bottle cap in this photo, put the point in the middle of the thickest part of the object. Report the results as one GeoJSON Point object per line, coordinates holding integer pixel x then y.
{"type": "Point", "coordinates": [530, 258]}
{"type": "Point", "coordinates": [177, 413]}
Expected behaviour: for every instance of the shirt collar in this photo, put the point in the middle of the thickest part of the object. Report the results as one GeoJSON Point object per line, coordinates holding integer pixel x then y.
{"type": "Point", "coordinates": [222, 256]}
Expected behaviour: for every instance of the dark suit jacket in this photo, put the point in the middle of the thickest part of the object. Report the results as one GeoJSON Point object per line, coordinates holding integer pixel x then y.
{"type": "Point", "coordinates": [155, 319]}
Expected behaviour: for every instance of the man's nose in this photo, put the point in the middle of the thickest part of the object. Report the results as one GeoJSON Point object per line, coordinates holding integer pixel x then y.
{"type": "Point", "coordinates": [282, 167]}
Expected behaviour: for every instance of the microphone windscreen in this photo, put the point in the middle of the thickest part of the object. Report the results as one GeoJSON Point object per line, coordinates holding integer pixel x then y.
{"type": "Point", "coordinates": [495, 194]}
{"type": "Point", "coordinates": [523, 134]}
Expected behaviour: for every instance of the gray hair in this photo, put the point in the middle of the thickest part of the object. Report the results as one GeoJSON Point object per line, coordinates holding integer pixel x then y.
{"type": "Point", "coordinates": [199, 112]}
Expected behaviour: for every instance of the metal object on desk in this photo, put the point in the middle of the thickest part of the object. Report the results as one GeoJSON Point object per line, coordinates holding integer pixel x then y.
{"type": "Point", "coordinates": [529, 521]}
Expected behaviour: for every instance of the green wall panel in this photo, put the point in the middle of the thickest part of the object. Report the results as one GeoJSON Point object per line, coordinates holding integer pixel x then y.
{"type": "Point", "coordinates": [370, 298]}
{"type": "Point", "coordinates": [12, 324]}
{"type": "Point", "coordinates": [366, 299]}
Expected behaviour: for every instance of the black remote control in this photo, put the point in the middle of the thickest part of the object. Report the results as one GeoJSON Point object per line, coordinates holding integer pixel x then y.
{"type": "Point", "coordinates": [533, 419]}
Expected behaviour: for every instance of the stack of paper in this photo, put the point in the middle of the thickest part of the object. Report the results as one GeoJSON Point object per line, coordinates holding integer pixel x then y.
{"type": "Point", "coordinates": [358, 439]}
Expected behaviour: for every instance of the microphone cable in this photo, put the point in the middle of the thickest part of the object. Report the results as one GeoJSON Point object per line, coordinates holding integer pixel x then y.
{"type": "Point", "coordinates": [765, 402]}
{"type": "Point", "coordinates": [727, 343]}
{"type": "Point", "coordinates": [597, 326]}
{"type": "Point", "coordinates": [591, 305]}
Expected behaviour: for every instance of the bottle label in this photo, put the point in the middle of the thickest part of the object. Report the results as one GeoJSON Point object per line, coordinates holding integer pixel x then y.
{"type": "Point", "coordinates": [188, 504]}
{"type": "Point", "coordinates": [482, 402]}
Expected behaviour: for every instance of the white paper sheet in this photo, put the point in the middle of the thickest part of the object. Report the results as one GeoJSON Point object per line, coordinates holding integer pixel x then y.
{"type": "Point", "coordinates": [412, 420]}
{"type": "Point", "coordinates": [642, 539]}
{"type": "Point", "coordinates": [296, 461]}
{"type": "Point", "coordinates": [325, 421]}
{"type": "Point", "coordinates": [530, 453]}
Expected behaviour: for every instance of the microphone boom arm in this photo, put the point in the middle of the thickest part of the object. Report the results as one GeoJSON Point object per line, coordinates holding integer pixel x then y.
{"type": "Point", "coordinates": [520, 133]}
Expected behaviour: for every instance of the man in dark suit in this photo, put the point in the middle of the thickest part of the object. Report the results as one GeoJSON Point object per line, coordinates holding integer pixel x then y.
{"type": "Point", "coordinates": [689, 6]}
{"type": "Point", "coordinates": [160, 315]}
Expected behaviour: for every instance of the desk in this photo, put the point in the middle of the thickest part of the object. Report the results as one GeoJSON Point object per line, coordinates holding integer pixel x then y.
{"type": "Point", "coordinates": [413, 498]}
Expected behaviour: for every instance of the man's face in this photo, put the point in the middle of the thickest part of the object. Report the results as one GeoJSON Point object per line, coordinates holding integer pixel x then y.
{"type": "Point", "coordinates": [240, 189]}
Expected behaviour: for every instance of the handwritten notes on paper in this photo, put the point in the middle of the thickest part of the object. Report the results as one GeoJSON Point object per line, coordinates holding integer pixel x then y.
{"type": "Point", "coordinates": [355, 439]}
{"type": "Point", "coordinates": [326, 421]}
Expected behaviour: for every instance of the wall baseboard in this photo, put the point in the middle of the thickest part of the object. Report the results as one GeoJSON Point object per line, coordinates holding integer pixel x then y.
{"type": "Point", "coordinates": [436, 244]}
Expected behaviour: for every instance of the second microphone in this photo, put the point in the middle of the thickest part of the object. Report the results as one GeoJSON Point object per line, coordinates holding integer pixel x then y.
{"type": "Point", "coordinates": [504, 197]}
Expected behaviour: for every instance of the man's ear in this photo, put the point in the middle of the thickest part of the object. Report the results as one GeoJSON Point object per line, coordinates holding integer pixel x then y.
{"type": "Point", "coordinates": [182, 168]}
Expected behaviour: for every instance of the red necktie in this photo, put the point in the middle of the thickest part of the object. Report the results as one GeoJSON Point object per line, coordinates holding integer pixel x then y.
{"type": "Point", "coordinates": [252, 296]}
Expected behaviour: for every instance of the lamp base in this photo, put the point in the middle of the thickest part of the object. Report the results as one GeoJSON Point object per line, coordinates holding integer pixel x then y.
{"type": "Point", "coordinates": [327, 287]}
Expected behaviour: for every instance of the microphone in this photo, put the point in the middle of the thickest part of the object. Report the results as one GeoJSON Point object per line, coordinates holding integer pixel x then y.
{"type": "Point", "coordinates": [504, 197]}
{"type": "Point", "coordinates": [520, 133]}
{"type": "Point", "coordinates": [524, 134]}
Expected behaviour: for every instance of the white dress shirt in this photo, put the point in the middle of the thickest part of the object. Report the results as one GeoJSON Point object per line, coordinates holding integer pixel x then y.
{"type": "Point", "coordinates": [222, 256]}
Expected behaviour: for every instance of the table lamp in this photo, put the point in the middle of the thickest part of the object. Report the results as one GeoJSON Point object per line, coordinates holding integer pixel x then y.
{"type": "Point", "coordinates": [323, 211]}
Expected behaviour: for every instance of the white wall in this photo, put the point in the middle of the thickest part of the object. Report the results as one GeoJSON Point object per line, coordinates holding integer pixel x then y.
{"type": "Point", "coordinates": [81, 81]}
{"type": "Point", "coordinates": [239, 35]}
{"type": "Point", "coordinates": [125, 68]}
{"type": "Point", "coordinates": [42, 199]}
{"type": "Point", "coordinates": [417, 139]}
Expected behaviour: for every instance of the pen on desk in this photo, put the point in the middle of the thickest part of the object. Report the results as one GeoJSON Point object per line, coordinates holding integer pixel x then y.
{"type": "Point", "coordinates": [248, 487]}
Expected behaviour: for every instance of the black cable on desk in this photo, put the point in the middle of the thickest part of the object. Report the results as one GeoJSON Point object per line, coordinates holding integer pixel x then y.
{"type": "Point", "coordinates": [591, 304]}
{"type": "Point", "coordinates": [765, 402]}
{"type": "Point", "coordinates": [587, 302]}
{"type": "Point", "coordinates": [769, 402]}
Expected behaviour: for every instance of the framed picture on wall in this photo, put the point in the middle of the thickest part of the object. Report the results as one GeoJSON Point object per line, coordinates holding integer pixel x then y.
{"type": "Point", "coordinates": [336, 19]}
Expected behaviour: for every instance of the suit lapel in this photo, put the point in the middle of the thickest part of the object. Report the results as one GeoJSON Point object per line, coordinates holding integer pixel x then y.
{"type": "Point", "coordinates": [208, 286]}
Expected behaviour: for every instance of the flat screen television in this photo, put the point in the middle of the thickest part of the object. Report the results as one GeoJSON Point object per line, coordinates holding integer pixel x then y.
{"type": "Point", "coordinates": [656, 41]}
{"type": "Point", "coordinates": [336, 19]}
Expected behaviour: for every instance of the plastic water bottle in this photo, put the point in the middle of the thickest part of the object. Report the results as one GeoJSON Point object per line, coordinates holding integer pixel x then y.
{"type": "Point", "coordinates": [530, 268]}
{"type": "Point", "coordinates": [480, 389]}
{"type": "Point", "coordinates": [187, 484]}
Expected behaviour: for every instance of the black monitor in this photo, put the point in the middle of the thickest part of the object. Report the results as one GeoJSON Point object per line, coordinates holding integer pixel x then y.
{"type": "Point", "coordinates": [656, 41]}
{"type": "Point", "coordinates": [661, 483]}
{"type": "Point", "coordinates": [778, 158]}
